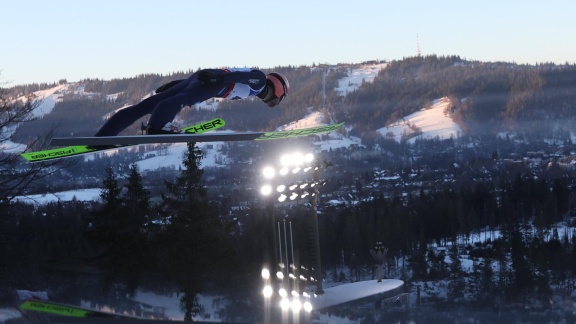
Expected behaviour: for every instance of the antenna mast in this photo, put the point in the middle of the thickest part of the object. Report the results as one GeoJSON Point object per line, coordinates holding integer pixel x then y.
{"type": "Point", "coordinates": [417, 46]}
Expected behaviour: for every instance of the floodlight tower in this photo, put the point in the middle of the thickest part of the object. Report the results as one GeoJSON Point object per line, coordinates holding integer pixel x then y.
{"type": "Point", "coordinates": [291, 165]}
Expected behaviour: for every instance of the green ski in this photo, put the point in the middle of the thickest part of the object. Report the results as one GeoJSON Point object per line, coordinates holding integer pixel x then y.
{"type": "Point", "coordinates": [66, 310]}
{"type": "Point", "coordinates": [75, 150]}
{"type": "Point", "coordinates": [183, 138]}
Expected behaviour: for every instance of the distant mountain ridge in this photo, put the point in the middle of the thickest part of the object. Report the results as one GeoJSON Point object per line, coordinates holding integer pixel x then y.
{"type": "Point", "coordinates": [484, 98]}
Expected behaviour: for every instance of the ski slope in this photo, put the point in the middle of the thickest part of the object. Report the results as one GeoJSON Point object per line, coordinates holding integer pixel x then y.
{"type": "Point", "coordinates": [365, 73]}
{"type": "Point", "coordinates": [433, 122]}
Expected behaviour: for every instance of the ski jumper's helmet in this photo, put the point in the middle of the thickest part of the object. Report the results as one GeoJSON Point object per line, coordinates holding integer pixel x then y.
{"type": "Point", "coordinates": [280, 86]}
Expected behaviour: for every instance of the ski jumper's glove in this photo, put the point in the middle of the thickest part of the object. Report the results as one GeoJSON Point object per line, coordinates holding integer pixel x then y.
{"type": "Point", "coordinates": [210, 78]}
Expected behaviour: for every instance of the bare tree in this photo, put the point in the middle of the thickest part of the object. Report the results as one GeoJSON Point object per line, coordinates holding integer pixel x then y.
{"type": "Point", "coordinates": [16, 175]}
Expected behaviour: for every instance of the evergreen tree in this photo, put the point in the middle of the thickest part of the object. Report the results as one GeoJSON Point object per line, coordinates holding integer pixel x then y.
{"type": "Point", "coordinates": [485, 287]}
{"type": "Point", "coordinates": [418, 263]}
{"type": "Point", "coordinates": [104, 223]}
{"type": "Point", "coordinates": [572, 259]}
{"type": "Point", "coordinates": [136, 199]}
{"type": "Point", "coordinates": [133, 225]}
{"type": "Point", "coordinates": [456, 284]}
{"type": "Point", "coordinates": [194, 242]}
{"type": "Point", "coordinates": [520, 265]}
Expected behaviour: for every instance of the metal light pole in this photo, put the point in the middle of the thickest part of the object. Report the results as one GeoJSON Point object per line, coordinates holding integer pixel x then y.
{"type": "Point", "coordinates": [272, 220]}
{"type": "Point", "coordinates": [316, 235]}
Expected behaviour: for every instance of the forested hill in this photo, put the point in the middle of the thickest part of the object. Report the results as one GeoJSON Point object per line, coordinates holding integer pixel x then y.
{"type": "Point", "coordinates": [486, 97]}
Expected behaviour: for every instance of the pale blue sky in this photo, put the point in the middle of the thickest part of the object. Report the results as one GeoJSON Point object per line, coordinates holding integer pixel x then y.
{"type": "Point", "coordinates": [44, 41]}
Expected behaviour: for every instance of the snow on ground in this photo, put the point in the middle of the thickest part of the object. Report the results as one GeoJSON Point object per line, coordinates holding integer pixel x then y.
{"type": "Point", "coordinates": [355, 77]}
{"type": "Point", "coordinates": [316, 118]}
{"type": "Point", "coordinates": [336, 141]}
{"type": "Point", "coordinates": [80, 194]}
{"type": "Point", "coordinates": [333, 296]}
{"type": "Point", "coordinates": [9, 146]}
{"type": "Point", "coordinates": [432, 121]}
{"type": "Point", "coordinates": [210, 105]}
{"type": "Point", "coordinates": [313, 119]}
{"type": "Point", "coordinates": [48, 99]}
{"type": "Point", "coordinates": [7, 314]}
{"type": "Point", "coordinates": [172, 158]}
{"type": "Point", "coordinates": [114, 96]}
{"type": "Point", "coordinates": [341, 294]}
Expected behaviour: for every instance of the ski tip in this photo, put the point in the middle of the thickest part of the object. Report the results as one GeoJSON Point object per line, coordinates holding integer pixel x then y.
{"type": "Point", "coordinates": [56, 153]}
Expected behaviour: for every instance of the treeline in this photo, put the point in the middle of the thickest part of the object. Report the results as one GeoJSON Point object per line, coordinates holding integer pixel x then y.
{"type": "Point", "coordinates": [28, 89]}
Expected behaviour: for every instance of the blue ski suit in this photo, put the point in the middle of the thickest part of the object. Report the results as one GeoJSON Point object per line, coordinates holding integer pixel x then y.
{"type": "Point", "coordinates": [164, 106]}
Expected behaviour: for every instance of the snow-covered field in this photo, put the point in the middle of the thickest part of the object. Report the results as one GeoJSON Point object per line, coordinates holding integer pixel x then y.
{"type": "Point", "coordinates": [173, 158]}
{"type": "Point", "coordinates": [9, 314]}
{"type": "Point", "coordinates": [80, 195]}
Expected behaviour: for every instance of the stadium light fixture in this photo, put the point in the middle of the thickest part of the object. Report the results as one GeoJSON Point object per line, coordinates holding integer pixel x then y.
{"type": "Point", "coordinates": [267, 291]}
{"type": "Point", "coordinates": [265, 274]}
{"type": "Point", "coordinates": [266, 190]}
{"type": "Point", "coordinates": [268, 172]}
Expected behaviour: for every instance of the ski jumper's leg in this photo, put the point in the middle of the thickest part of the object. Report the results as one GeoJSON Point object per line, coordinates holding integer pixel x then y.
{"type": "Point", "coordinates": [166, 110]}
{"type": "Point", "coordinates": [125, 117]}
{"type": "Point", "coordinates": [121, 120]}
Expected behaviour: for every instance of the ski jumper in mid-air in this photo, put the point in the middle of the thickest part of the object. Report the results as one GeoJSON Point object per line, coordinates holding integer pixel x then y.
{"type": "Point", "coordinates": [172, 97]}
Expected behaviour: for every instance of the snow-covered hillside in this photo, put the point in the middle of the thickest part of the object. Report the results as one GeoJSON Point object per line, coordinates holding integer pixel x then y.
{"type": "Point", "coordinates": [365, 73]}
{"type": "Point", "coordinates": [47, 99]}
{"type": "Point", "coordinates": [431, 121]}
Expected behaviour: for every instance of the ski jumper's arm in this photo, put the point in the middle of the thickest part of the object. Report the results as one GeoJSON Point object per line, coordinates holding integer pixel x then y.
{"type": "Point", "coordinates": [240, 83]}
